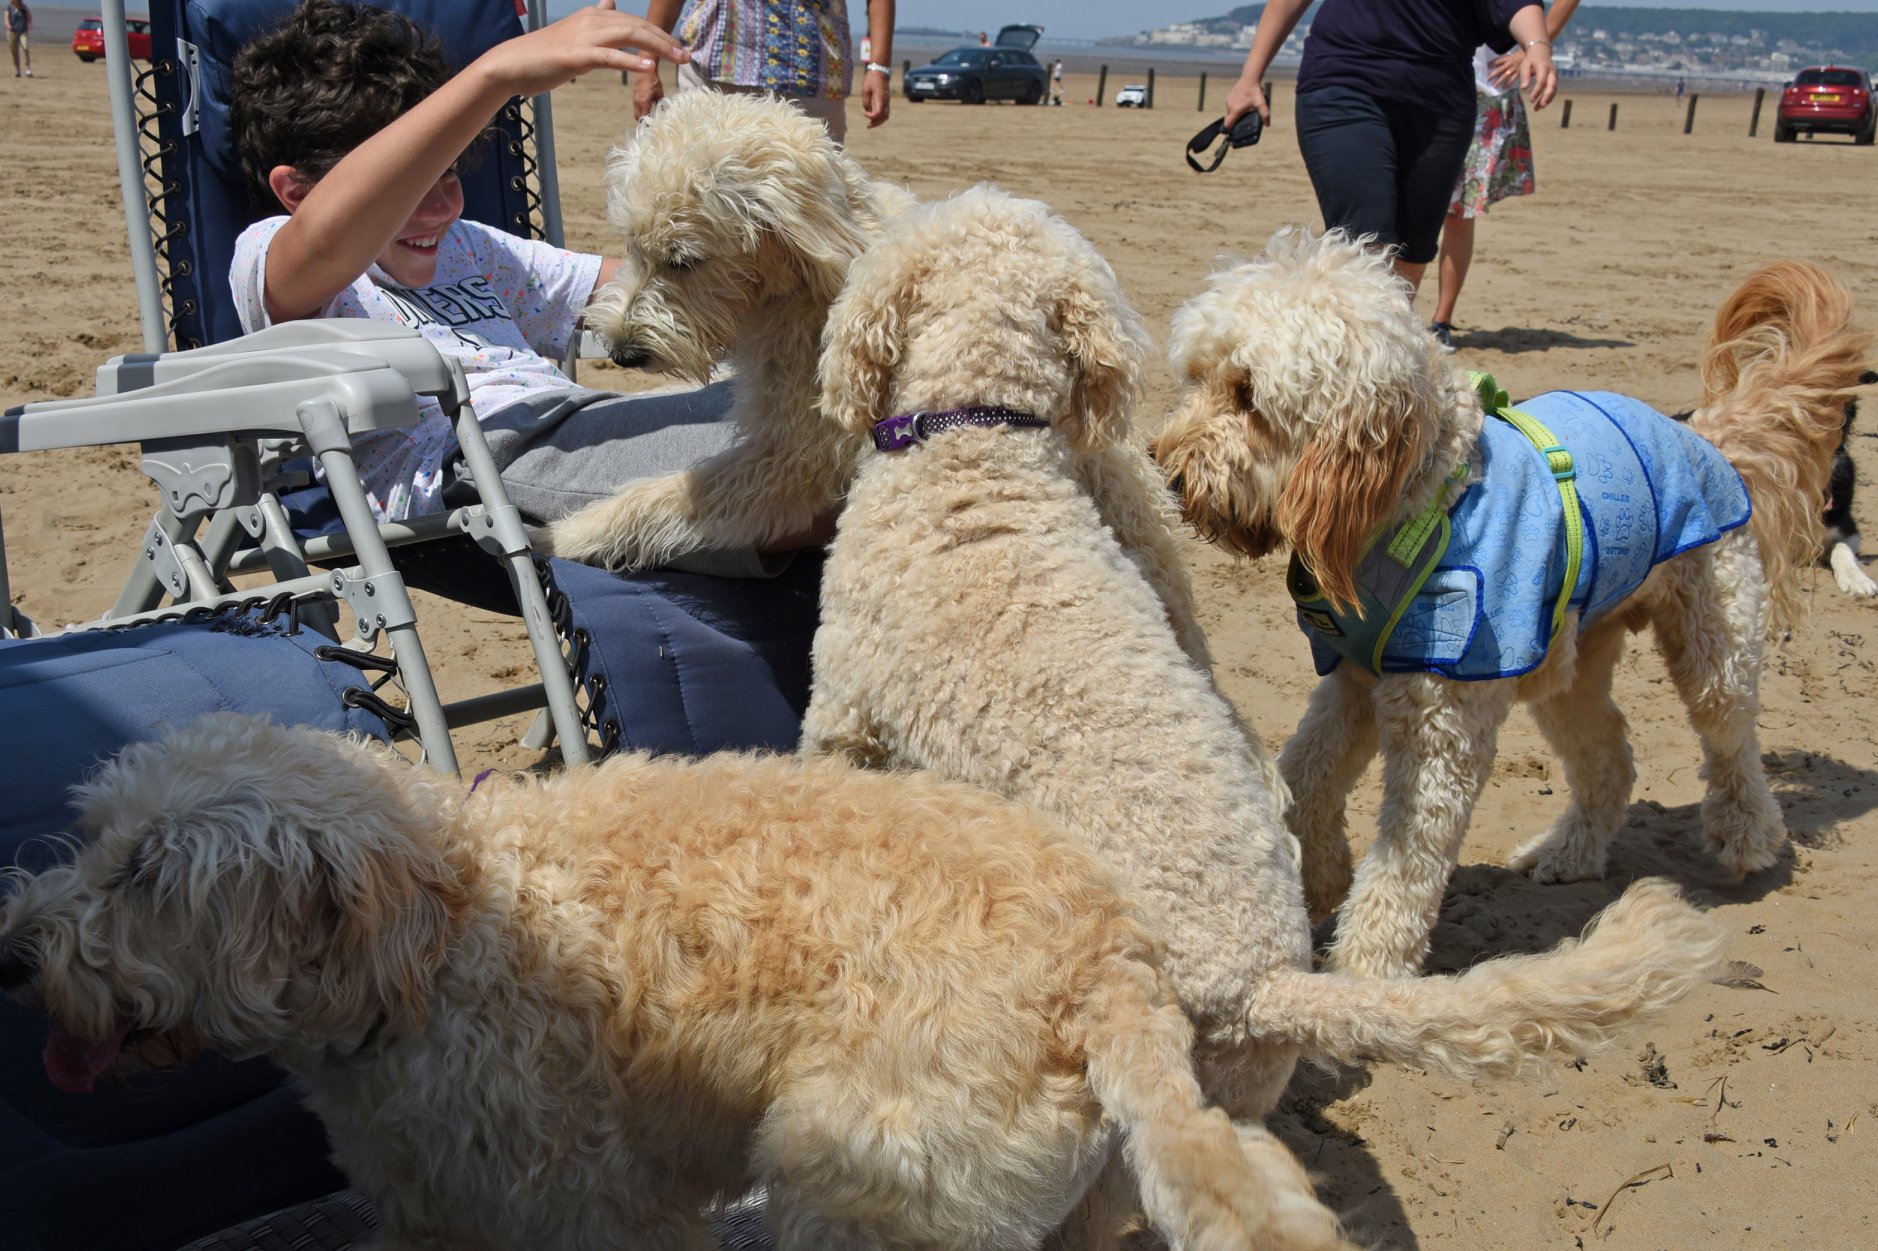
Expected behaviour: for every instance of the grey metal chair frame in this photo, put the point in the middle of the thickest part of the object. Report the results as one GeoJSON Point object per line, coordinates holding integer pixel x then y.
{"type": "Point", "coordinates": [211, 421]}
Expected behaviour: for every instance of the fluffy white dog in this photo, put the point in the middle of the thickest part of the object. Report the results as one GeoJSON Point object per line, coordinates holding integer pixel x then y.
{"type": "Point", "coordinates": [1321, 414]}
{"type": "Point", "coordinates": [575, 1012]}
{"type": "Point", "coordinates": [979, 619]}
{"type": "Point", "coordinates": [739, 217]}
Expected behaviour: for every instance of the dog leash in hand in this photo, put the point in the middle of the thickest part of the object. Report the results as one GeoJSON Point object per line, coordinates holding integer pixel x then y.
{"type": "Point", "coordinates": [1244, 133]}
{"type": "Point", "coordinates": [1564, 472]}
{"type": "Point", "coordinates": [896, 434]}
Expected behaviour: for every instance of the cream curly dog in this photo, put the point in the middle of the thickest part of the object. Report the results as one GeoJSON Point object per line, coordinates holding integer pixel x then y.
{"type": "Point", "coordinates": [574, 1013]}
{"type": "Point", "coordinates": [980, 620]}
{"type": "Point", "coordinates": [740, 217]}
{"type": "Point", "coordinates": [1321, 414]}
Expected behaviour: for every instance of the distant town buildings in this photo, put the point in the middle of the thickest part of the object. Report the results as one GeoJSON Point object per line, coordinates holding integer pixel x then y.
{"type": "Point", "coordinates": [1755, 55]}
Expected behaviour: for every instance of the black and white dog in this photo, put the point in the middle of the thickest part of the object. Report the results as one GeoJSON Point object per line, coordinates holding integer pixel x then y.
{"type": "Point", "coordinates": [1841, 530]}
{"type": "Point", "coordinates": [1842, 540]}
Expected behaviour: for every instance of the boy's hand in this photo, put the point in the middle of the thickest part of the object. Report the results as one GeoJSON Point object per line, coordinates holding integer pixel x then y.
{"type": "Point", "coordinates": [594, 38]}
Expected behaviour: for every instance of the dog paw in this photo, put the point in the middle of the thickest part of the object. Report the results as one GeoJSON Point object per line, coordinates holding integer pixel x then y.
{"type": "Point", "coordinates": [1852, 579]}
{"type": "Point", "coordinates": [1742, 856]}
{"type": "Point", "coordinates": [1551, 858]}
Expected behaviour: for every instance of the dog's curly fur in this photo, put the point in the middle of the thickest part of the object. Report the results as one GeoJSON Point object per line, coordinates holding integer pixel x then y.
{"type": "Point", "coordinates": [575, 1012]}
{"type": "Point", "coordinates": [1320, 410]}
{"type": "Point", "coordinates": [980, 620]}
{"type": "Point", "coordinates": [740, 217]}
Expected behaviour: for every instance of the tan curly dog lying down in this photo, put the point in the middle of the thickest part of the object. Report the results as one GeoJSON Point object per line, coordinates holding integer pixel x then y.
{"type": "Point", "coordinates": [572, 1013]}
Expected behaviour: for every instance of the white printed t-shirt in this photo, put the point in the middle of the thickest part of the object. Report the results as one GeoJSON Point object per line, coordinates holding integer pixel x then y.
{"type": "Point", "coordinates": [504, 306]}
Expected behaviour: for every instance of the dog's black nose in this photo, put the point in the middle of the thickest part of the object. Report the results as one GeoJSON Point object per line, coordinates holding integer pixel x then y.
{"type": "Point", "coordinates": [629, 355]}
{"type": "Point", "coordinates": [14, 968]}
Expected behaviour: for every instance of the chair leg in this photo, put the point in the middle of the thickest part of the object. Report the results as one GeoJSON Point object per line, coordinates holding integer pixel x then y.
{"type": "Point", "coordinates": [498, 528]}
{"type": "Point", "coordinates": [391, 610]}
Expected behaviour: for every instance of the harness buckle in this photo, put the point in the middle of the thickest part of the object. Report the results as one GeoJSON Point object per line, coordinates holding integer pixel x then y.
{"type": "Point", "coordinates": [1559, 461]}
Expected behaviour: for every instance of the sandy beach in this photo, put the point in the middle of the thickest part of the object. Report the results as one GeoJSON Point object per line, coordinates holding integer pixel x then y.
{"type": "Point", "coordinates": [1741, 1119]}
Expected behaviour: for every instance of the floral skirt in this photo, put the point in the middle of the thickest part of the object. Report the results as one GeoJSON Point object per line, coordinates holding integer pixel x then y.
{"type": "Point", "coordinates": [1499, 162]}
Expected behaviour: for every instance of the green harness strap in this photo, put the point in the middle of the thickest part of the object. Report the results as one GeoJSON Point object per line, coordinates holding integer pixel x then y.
{"type": "Point", "coordinates": [1388, 578]}
{"type": "Point", "coordinates": [1397, 564]}
{"type": "Point", "coordinates": [1559, 461]}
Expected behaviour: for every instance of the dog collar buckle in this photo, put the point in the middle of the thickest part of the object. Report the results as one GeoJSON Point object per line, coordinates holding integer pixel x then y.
{"type": "Point", "coordinates": [896, 434]}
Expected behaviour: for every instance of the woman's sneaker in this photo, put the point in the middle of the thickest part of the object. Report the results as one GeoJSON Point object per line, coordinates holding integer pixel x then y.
{"type": "Point", "coordinates": [1444, 331]}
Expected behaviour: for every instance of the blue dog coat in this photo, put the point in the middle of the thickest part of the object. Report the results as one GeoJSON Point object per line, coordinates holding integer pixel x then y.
{"type": "Point", "coordinates": [1648, 488]}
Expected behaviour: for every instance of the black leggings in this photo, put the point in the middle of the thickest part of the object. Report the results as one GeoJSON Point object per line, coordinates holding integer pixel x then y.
{"type": "Point", "coordinates": [1382, 167]}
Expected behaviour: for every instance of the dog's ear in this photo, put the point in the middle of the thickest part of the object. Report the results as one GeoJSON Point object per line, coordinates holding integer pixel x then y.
{"type": "Point", "coordinates": [1108, 343]}
{"type": "Point", "coordinates": [815, 200]}
{"type": "Point", "coordinates": [392, 897]}
{"type": "Point", "coordinates": [864, 338]}
{"type": "Point", "coordinates": [1340, 493]}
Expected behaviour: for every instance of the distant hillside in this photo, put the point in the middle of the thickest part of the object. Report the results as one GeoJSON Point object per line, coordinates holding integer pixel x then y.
{"type": "Point", "coordinates": [1722, 36]}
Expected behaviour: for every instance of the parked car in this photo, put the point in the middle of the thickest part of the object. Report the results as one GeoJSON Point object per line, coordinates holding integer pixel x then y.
{"type": "Point", "coordinates": [1828, 98]}
{"type": "Point", "coordinates": [1134, 95]}
{"type": "Point", "coordinates": [973, 74]}
{"type": "Point", "coordinates": [88, 39]}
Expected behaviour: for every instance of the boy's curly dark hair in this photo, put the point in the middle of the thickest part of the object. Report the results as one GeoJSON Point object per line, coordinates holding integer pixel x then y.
{"type": "Point", "coordinates": [325, 80]}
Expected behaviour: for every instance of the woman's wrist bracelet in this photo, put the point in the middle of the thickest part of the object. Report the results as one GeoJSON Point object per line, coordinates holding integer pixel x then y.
{"type": "Point", "coordinates": [1535, 43]}
{"type": "Point", "coordinates": [875, 67]}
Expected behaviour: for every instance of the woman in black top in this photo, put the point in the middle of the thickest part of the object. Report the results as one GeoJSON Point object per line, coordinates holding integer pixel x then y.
{"type": "Point", "coordinates": [1386, 105]}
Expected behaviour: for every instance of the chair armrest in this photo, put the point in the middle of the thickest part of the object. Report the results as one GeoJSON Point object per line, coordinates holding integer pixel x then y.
{"type": "Point", "coordinates": [254, 395]}
{"type": "Point", "coordinates": [343, 340]}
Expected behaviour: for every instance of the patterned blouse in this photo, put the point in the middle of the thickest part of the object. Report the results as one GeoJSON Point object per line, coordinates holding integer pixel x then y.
{"type": "Point", "coordinates": [790, 47]}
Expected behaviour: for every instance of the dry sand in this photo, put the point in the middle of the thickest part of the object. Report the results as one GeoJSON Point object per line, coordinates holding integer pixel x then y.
{"type": "Point", "coordinates": [1747, 1117]}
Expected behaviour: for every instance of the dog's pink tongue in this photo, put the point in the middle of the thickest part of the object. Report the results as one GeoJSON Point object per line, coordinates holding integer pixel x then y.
{"type": "Point", "coordinates": [74, 1064]}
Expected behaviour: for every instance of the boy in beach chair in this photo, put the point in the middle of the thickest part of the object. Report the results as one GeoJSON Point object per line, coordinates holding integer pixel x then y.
{"type": "Point", "coordinates": [349, 117]}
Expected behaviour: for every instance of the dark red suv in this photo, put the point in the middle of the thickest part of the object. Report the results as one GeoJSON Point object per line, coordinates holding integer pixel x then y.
{"type": "Point", "coordinates": [1828, 98]}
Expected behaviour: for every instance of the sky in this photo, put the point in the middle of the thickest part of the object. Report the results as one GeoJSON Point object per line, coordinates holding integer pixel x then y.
{"type": "Point", "coordinates": [1095, 19]}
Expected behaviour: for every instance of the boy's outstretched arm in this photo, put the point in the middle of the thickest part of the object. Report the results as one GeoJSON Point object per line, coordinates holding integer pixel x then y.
{"type": "Point", "coordinates": [346, 219]}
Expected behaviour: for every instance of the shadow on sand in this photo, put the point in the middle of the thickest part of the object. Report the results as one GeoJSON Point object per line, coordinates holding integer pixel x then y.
{"type": "Point", "coordinates": [1516, 339]}
{"type": "Point", "coordinates": [1491, 911]}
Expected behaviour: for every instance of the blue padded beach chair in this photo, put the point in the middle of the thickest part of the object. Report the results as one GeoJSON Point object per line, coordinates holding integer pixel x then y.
{"type": "Point", "coordinates": [678, 661]}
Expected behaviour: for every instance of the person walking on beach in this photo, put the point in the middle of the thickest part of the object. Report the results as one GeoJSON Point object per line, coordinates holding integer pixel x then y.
{"type": "Point", "coordinates": [19, 23]}
{"type": "Point", "coordinates": [1498, 166]}
{"type": "Point", "coordinates": [1385, 105]}
{"type": "Point", "coordinates": [796, 49]}
{"type": "Point", "coordinates": [1056, 82]}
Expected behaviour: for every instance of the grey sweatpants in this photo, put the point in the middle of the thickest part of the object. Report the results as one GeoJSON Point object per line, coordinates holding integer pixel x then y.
{"type": "Point", "coordinates": [566, 449]}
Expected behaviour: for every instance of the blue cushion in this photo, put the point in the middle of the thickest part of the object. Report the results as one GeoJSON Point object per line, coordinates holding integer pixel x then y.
{"type": "Point", "coordinates": [685, 663]}
{"type": "Point", "coordinates": [166, 1157]}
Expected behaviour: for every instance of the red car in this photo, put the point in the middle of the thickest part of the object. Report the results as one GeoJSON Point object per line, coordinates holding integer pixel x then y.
{"type": "Point", "coordinates": [88, 39]}
{"type": "Point", "coordinates": [1828, 98]}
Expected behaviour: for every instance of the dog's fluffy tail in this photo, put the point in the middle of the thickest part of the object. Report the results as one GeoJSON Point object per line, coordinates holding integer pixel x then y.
{"type": "Point", "coordinates": [1199, 1187]}
{"type": "Point", "coordinates": [1782, 361]}
{"type": "Point", "coordinates": [1636, 957]}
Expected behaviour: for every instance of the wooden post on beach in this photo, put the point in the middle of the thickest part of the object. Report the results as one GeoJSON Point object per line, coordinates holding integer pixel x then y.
{"type": "Point", "coordinates": [1754, 122]}
{"type": "Point", "coordinates": [1150, 103]}
{"type": "Point", "coordinates": [1102, 85]}
{"type": "Point", "coordinates": [1202, 107]}
{"type": "Point", "coordinates": [1266, 87]}
{"type": "Point", "coordinates": [1613, 125]}
{"type": "Point", "coordinates": [1688, 123]}
{"type": "Point", "coordinates": [906, 67]}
